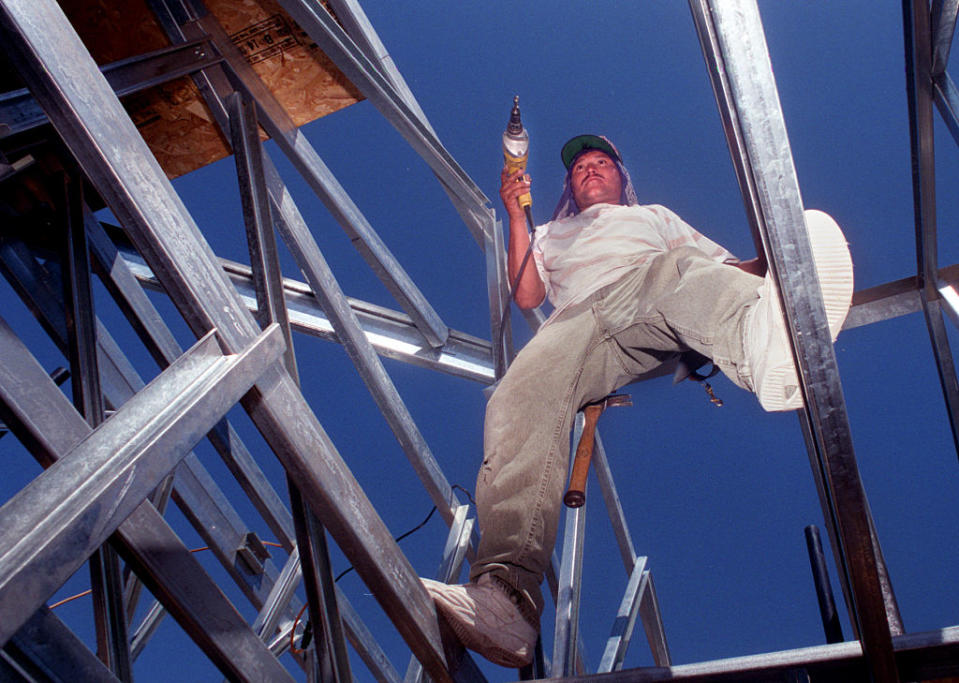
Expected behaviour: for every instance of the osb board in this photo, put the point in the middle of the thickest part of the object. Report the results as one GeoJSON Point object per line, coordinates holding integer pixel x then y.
{"type": "Point", "coordinates": [172, 117]}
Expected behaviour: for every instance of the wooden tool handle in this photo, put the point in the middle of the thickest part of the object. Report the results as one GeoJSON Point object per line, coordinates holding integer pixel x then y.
{"type": "Point", "coordinates": [576, 494]}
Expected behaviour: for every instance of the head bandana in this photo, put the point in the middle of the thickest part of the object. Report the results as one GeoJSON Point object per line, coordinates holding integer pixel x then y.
{"type": "Point", "coordinates": [567, 206]}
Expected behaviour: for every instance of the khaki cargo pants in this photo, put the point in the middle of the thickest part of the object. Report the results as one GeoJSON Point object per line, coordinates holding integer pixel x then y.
{"type": "Point", "coordinates": [679, 300]}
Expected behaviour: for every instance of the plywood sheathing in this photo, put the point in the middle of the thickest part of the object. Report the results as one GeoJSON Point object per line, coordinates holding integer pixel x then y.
{"type": "Point", "coordinates": [173, 118]}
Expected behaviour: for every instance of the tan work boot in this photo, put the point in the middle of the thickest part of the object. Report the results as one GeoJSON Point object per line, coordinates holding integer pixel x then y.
{"type": "Point", "coordinates": [769, 357]}
{"type": "Point", "coordinates": [485, 618]}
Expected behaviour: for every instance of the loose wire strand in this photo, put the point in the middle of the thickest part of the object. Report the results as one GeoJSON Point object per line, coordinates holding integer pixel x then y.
{"type": "Point", "coordinates": [293, 648]}
{"type": "Point", "coordinates": [82, 594]}
{"type": "Point", "coordinates": [397, 539]}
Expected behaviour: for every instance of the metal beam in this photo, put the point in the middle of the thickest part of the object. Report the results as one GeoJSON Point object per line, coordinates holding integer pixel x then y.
{"type": "Point", "coordinates": [892, 299]}
{"type": "Point", "coordinates": [329, 644]}
{"type": "Point", "coordinates": [932, 655]}
{"type": "Point", "coordinates": [20, 112]}
{"type": "Point", "coordinates": [622, 631]}
{"type": "Point", "coordinates": [566, 657]}
{"type": "Point", "coordinates": [47, 424]}
{"type": "Point", "coordinates": [86, 113]}
{"type": "Point", "coordinates": [944, 13]}
{"type": "Point", "coordinates": [370, 368]}
{"type": "Point", "coordinates": [365, 644]}
{"type": "Point", "coordinates": [196, 493]}
{"type": "Point", "coordinates": [614, 507]}
{"type": "Point", "coordinates": [50, 651]}
{"type": "Point", "coordinates": [500, 299]}
{"type": "Point", "coordinates": [820, 574]}
{"type": "Point", "coordinates": [919, 88]}
{"type": "Point", "coordinates": [338, 46]}
{"type": "Point", "coordinates": [950, 302]}
{"type": "Point", "coordinates": [329, 641]}
{"type": "Point", "coordinates": [741, 48]}
{"type": "Point", "coordinates": [354, 20]}
{"type": "Point", "coordinates": [393, 336]}
{"type": "Point", "coordinates": [729, 117]}
{"type": "Point", "coordinates": [278, 124]}
{"type": "Point", "coordinates": [454, 554]}
{"type": "Point", "coordinates": [159, 341]}
{"type": "Point", "coordinates": [258, 220]}
{"type": "Point", "coordinates": [566, 653]}
{"type": "Point", "coordinates": [146, 628]}
{"type": "Point", "coordinates": [652, 617]}
{"type": "Point", "coordinates": [106, 582]}
{"type": "Point", "coordinates": [947, 101]}
{"type": "Point", "coordinates": [279, 598]}
{"type": "Point", "coordinates": [390, 332]}
{"type": "Point", "coordinates": [54, 523]}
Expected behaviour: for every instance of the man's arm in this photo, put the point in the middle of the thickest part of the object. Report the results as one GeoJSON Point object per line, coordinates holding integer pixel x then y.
{"type": "Point", "coordinates": [530, 291]}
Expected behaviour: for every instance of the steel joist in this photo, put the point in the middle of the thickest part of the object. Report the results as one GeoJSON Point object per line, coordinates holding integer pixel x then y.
{"type": "Point", "coordinates": [213, 294]}
{"type": "Point", "coordinates": [87, 115]}
{"type": "Point", "coordinates": [927, 52]}
{"type": "Point", "coordinates": [732, 38]}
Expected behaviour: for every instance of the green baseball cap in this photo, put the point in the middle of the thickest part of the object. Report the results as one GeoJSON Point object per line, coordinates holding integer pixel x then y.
{"type": "Point", "coordinates": [584, 142]}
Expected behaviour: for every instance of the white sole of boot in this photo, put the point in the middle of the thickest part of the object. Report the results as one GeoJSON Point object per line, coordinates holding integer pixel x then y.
{"type": "Point", "coordinates": [830, 253]}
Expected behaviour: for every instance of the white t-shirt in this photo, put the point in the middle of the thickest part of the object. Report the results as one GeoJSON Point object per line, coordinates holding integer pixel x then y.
{"type": "Point", "coordinates": [576, 256]}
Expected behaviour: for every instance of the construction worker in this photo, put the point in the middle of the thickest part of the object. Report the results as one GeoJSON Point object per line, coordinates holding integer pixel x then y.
{"type": "Point", "coordinates": [632, 286]}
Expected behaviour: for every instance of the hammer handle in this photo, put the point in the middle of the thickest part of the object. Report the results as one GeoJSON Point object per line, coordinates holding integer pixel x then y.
{"type": "Point", "coordinates": [576, 494]}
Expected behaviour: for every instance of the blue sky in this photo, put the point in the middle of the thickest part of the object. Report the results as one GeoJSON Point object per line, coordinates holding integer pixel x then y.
{"type": "Point", "coordinates": [716, 498]}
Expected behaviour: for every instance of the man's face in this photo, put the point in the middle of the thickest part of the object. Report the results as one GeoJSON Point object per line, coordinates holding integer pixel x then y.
{"type": "Point", "coordinates": [595, 179]}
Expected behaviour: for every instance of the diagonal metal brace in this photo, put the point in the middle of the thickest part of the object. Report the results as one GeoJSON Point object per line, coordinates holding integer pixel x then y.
{"type": "Point", "coordinates": [53, 524]}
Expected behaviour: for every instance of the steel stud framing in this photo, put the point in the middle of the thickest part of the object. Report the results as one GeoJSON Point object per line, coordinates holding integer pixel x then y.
{"type": "Point", "coordinates": [123, 447]}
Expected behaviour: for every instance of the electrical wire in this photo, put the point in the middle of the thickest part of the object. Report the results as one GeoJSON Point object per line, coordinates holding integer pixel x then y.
{"type": "Point", "coordinates": [397, 539]}
{"type": "Point", "coordinates": [293, 648]}
{"type": "Point", "coordinates": [519, 274]}
{"type": "Point", "coordinates": [414, 529]}
{"type": "Point", "coordinates": [90, 590]}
